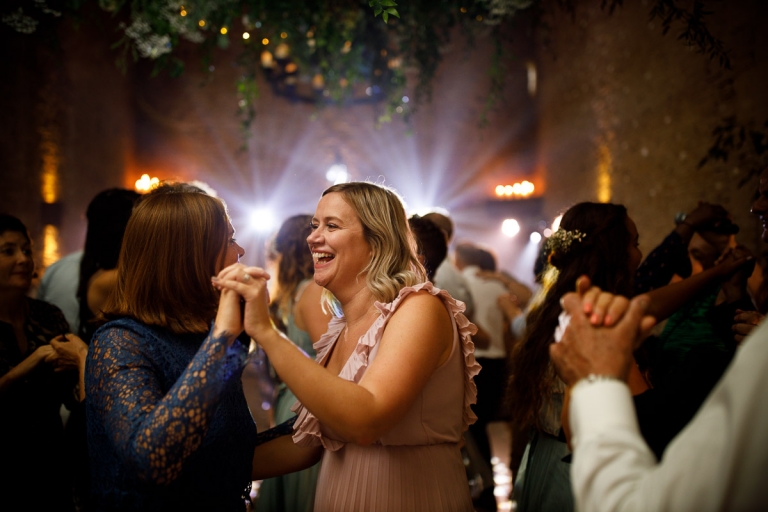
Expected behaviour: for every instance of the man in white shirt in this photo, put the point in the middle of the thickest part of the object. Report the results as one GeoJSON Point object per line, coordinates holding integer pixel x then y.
{"type": "Point", "coordinates": [719, 462]}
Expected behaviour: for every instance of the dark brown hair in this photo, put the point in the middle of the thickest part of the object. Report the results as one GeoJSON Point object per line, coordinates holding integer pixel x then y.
{"type": "Point", "coordinates": [603, 255]}
{"type": "Point", "coordinates": [294, 261]}
{"type": "Point", "coordinates": [174, 242]}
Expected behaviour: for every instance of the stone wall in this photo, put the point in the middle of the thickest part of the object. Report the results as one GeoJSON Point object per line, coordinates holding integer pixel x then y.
{"type": "Point", "coordinates": [627, 113]}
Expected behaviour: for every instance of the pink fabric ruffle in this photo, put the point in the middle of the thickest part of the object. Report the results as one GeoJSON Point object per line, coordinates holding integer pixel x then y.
{"type": "Point", "coordinates": [307, 430]}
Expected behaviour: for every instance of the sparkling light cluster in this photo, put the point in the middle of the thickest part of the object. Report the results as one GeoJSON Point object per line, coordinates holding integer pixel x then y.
{"type": "Point", "coordinates": [145, 184]}
{"type": "Point", "coordinates": [524, 189]}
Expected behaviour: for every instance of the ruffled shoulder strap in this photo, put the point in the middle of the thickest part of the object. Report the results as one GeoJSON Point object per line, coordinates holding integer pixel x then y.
{"type": "Point", "coordinates": [325, 343]}
{"type": "Point", "coordinates": [307, 428]}
{"type": "Point", "coordinates": [466, 329]}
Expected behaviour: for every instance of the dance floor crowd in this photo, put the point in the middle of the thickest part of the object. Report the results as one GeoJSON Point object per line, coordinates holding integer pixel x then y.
{"type": "Point", "coordinates": [383, 348]}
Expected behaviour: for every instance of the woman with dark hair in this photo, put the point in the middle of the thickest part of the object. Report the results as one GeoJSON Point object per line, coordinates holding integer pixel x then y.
{"type": "Point", "coordinates": [432, 246]}
{"type": "Point", "coordinates": [388, 398]}
{"type": "Point", "coordinates": [39, 364]}
{"type": "Point", "coordinates": [296, 306]}
{"type": "Point", "coordinates": [601, 241]}
{"type": "Point", "coordinates": [107, 215]}
{"type": "Point", "coordinates": [168, 424]}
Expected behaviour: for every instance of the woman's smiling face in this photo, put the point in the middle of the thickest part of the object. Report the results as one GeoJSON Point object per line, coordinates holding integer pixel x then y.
{"type": "Point", "coordinates": [337, 241]}
{"type": "Point", "coordinates": [16, 264]}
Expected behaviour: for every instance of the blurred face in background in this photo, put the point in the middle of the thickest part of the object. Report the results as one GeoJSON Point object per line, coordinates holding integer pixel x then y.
{"type": "Point", "coordinates": [16, 264]}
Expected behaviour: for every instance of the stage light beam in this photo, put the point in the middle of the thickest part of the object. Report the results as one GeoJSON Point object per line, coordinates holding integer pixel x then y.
{"type": "Point", "coordinates": [510, 227]}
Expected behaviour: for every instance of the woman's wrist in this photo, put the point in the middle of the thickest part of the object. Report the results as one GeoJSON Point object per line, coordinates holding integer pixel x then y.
{"type": "Point", "coordinates": [265, 336]}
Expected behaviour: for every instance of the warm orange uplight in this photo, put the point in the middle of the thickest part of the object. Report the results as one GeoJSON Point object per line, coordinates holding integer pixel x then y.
{"type": "Point", "coordinates": [524, 189]}
{"type": "Point", "coordinates": [145, 184]}
{"type": "Point", "coordinates": [50, 245]}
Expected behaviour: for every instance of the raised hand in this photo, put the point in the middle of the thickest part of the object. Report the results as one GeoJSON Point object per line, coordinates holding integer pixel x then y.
{"type": "Point", "coordinates": [602, 308]}
{"type": "Point", "coordinates": [250, 284]}
{"type": "Point", "coordinates": [588, 349]}
{"type": "Point", "coordinates": [229, 317]}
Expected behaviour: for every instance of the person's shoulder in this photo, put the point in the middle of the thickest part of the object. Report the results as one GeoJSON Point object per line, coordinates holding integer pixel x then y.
{"type": "Point", "coordinates": [123, 324]}
{"type": "Point", "coordinates": [422, 299]}
{"type": "Point", "coordinates": [105, 279]}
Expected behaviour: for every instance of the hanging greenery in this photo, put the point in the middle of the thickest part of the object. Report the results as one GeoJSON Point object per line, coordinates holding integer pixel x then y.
{"type": "Point", "coordinates": [326, 51]}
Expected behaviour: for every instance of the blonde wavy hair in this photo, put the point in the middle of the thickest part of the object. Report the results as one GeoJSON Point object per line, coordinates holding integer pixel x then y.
{"type": "Point", "coordinates": [394, 264]}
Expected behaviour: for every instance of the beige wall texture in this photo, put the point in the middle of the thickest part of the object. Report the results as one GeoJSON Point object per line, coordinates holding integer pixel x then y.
{"type": "Point", "coordinates": [626, 113]}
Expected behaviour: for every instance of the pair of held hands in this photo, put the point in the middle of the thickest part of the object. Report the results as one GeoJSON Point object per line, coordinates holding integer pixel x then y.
{"type": "Point", "coordinates": [244, 302]}
{"type": "Point", "coordinates": [605, 329]}
{"type": "Point", "coordinates": [602, 334]}
{"type": "Point", "coordinates": [64, 352]}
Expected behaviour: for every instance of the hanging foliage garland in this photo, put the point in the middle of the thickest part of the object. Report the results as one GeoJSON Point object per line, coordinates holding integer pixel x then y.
{"type": "Point", "coordinates": [326, 51]}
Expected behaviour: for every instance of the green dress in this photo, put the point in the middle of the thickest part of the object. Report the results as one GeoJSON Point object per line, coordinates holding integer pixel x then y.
{"type": "Point", "coordinates": [294, 492]}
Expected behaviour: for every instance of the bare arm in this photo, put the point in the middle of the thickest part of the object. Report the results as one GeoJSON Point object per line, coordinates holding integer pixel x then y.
{"type": "Point", "coordinates": [281, 456]}
{"type": "Point", "coordinates": [100, 289]}
{"type": "Point", "coordinates": [360, 413]}
{"type": "Point", "coordinates": [668, 299]}
{"type": "Point", "coordinates": [25, 367]}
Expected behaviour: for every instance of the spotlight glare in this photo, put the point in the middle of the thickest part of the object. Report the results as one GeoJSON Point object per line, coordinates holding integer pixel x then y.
{"type": "Point", "coordinates": [510, 227]}
{"type": "Point", "coordinates": [535, 237]}
{"type": "Point", "coordinates": [262, 220]}
{"type": "Point", "coordinates": [547, 232]}
{"type": "Point", "coordinates": [337, 173]}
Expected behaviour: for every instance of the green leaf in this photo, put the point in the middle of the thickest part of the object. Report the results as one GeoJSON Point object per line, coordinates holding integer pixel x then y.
{"type": "Point", "coordinates": [393, 12]}
{"type": "Point", "coordinates": [387, 3]}
{"type": "Point", "coordinates": [385, 16]}
{"type": "Point", "coordinates": [376, 12]}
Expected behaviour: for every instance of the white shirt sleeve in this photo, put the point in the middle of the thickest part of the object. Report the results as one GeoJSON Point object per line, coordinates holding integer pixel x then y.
{"type": "Point", "coordinates": [719, 462]}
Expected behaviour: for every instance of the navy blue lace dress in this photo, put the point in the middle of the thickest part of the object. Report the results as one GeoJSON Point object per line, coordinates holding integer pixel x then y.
{"type": "Point", "coordinates": [168, 424]}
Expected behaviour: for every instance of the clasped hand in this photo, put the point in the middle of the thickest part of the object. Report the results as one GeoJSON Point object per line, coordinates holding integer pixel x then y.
{"type": "Point", "coordinates": [68, 352]}
{"type": "Point", "coordinates": [603, 332]}
{"type": "Point", "coordinates": [244, 303]}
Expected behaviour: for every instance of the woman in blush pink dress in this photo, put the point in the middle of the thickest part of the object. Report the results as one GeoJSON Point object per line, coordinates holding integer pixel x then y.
{"type": "Point", "coordinates": [388, 397]}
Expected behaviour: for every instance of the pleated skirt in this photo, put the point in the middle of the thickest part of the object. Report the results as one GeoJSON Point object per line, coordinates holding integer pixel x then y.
{"type": "Point", "coordinates": [377, 478]}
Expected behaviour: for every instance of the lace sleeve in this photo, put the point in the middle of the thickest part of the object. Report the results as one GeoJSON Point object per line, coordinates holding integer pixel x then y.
{"type": "Point", "coordinates": [152, 431]}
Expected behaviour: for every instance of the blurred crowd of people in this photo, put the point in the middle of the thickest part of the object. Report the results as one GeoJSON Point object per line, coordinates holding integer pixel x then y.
{"type": "Point", "coordinates": [628, 383]}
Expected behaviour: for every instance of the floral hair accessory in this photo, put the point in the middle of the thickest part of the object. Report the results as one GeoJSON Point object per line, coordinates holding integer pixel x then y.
{"type": "Point", "coordinates": [561, 240]}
